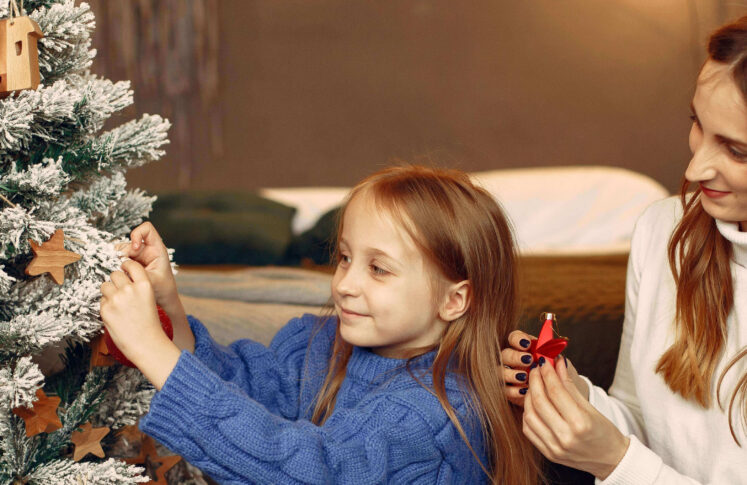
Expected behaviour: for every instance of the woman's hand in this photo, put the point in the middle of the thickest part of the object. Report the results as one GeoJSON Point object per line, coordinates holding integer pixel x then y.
{"type": "Point", "coordinates": [128, 310]}
{"type": "Point", "coordinates": [516, 365]}
{"type": "Point", "coordinates": [564, 427]}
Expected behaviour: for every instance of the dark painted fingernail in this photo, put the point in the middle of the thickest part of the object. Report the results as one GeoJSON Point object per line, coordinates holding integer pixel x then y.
{"type": "Point", "coordinates": [532, 366]}
{"type": "Point", "coordinates": [523, 390]}
{"type": "Point", "coordinates": [521, 376]}
{"type": "Point", "coordinates": [565, 360]}
{"type": "Point", "coordinates": [526, 358]}
{"type": "Point", "coordinates": [542, 361]}
{"type": "Point", "coordinates": [524, 343]}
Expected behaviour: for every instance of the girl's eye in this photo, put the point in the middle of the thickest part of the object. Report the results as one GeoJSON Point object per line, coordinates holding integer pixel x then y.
{"type": "Point", "coordinates": [695, 120]}
{"type": "Point", "coordinates": [344, 259]}
{"type": "Point", "coordinates": [378, 271]}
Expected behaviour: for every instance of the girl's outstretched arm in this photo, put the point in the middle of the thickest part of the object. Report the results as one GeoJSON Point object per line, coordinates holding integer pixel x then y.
{"type": "Point", "coordinates": [271, 375]}
{"type": "Point", "coordinates": [234, 439]}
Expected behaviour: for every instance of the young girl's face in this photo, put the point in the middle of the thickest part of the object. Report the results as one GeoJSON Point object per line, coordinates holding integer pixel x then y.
{"type": "Point", "coordinates": [383, 287]}
{"type": "Point", "coordinates": [718, 141]}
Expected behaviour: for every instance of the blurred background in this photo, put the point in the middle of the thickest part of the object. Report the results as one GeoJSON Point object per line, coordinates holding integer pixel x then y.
{"type": "Point", "coordinates": [268, 93]}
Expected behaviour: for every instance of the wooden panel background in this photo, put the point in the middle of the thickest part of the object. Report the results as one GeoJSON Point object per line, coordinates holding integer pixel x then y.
{"type": "Point", "coordinates": [294, 93]}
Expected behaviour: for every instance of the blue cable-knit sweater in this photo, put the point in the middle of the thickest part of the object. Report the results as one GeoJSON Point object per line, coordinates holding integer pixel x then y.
{"type": "Point", "coordinates": [242, 414]}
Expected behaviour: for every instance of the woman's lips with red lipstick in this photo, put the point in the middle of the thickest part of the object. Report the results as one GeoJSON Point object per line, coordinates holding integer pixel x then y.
{"type": "Point", "coordinates": [713, 194]}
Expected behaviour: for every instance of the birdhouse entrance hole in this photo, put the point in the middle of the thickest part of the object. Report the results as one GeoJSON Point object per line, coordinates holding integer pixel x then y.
{"type": "Point", "coordinates": [19, 47]}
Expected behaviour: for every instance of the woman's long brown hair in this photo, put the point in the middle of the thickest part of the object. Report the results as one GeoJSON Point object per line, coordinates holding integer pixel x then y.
{"type": "Point", "coordinates": [699, 257]}
{"type": "Point", "coordinates": [462, 232]}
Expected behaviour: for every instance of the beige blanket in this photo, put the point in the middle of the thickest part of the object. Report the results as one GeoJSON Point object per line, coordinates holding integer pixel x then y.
{"type": "Point", "coordinates": [251, 302]}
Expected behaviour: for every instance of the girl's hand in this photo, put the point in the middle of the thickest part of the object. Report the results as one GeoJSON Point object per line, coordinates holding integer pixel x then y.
{"type": "Point", "coordinates": [565, 428]}
{"type": "Point", "coordinates": [516, 363]}
{"type": "Point", "coordinates": [147, 248]}
{"type": "Point", "coordinates": [128, 310]}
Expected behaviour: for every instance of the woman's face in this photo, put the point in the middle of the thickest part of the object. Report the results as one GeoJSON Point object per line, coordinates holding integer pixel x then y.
{"type": "Point", "coordinates": [718, 142]}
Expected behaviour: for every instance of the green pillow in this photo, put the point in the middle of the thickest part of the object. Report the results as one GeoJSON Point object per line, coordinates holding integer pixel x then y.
{"type": "Point", "coordinates": [207, 227]}
{"type": "Point", "coordinates": [315, 244]}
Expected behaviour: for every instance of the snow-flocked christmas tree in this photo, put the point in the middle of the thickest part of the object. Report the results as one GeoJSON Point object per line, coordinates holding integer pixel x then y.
{"type": "Point", "coordinates": [60, 171]}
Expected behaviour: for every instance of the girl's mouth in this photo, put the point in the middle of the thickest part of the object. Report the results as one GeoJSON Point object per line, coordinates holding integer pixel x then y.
{"type": "Point", "coordinates": [350, 314]}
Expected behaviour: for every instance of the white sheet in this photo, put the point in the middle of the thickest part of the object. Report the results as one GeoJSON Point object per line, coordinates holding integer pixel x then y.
{"type": "Point", "coordinates": [554, 210]}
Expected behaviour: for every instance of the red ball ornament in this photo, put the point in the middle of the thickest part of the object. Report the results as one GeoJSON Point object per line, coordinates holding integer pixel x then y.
{"type": "Point", "coordinates": [119, 356]}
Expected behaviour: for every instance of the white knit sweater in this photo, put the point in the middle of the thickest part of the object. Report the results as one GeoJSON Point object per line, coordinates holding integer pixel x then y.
{"type": "Point", "coordinates": [672, 440]}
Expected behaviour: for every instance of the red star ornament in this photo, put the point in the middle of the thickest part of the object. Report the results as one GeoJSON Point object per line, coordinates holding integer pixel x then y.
{"type": "Point", "coordinates": [42, 417]}
{"type": "Point", "coordinates": [51, 257]}
{"type": "Point", "coordinates": [88, 440]}
{"type": "Point", "coordinates": [546, 346]}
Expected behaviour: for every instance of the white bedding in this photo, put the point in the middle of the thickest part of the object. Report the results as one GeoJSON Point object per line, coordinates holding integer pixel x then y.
{"type": "Point", "coordinates": [554, 210]}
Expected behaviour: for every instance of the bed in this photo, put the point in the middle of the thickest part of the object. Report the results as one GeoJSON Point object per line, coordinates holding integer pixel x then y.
{"type": "Point", "coordinates": [245, 257]}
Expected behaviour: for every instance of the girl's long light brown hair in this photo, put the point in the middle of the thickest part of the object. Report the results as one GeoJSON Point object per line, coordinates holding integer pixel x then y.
{"type": "Point", "coordinates": [699, 257]}
{"type": "Point", "coordinates": [463, 234]}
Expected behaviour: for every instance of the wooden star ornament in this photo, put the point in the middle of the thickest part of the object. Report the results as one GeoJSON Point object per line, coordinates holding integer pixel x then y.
{"type": "Point", "coordinates": [42, 417]}
{"type": "Point", "coordinates": [100, 356]}
{"type": "Point", "coordinates": [51, 257]}
{"type": "Point", "coordinates": [131, 434]}
{"type": "Point", "coordinates": [88, 440]}
{"type": "Point", "coordinates": [149, 455]}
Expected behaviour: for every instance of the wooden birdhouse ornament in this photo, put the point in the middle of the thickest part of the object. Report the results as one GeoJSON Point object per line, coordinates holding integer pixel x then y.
{"type": "Point", "coordinates": [19, 57]}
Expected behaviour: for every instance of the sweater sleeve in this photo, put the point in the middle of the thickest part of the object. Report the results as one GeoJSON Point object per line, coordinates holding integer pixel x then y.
{"type": "Point", "coordinates": [641, 466]}
{"type": "Point", "coordinates": [270, 375]}
{"type": "Point", "coordinates": [621, 405]}
{"type": "Point", "coordinates": [234, 439]}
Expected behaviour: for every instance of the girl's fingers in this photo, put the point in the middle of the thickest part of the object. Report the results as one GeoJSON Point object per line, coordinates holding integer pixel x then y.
{"type": "Point", "coordinates": [107, 289]}
{"type": "Point", "coordinates": [144, 233]}
{"type": "Point", "coordinates": [119, 279]}
{"type": "Point", "coordinates": [135, 271]}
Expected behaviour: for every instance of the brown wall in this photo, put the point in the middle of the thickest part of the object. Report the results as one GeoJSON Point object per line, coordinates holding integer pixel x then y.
{"type": "Point", "coordinates": [323, 92]}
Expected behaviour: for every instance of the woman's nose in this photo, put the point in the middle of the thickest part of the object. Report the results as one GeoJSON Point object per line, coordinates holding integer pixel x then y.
{"type": "Point", "coordinates": [703, 164]}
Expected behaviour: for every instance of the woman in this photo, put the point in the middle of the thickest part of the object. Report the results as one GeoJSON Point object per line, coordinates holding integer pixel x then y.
{"type": "Point", "coordinates": [676, 412]}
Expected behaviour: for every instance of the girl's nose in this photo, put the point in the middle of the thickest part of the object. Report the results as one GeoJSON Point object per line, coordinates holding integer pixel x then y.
{"type": "Point", "coordinates": [347, 282]}
{"type": "Point", "coordinates": [703, 165]}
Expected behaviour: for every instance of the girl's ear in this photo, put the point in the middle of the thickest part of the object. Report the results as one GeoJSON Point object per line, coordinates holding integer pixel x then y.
{"type": "Point", "coordinates": [456, 301]}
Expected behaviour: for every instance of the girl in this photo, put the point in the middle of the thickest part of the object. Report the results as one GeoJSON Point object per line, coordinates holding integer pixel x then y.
{"type": "Point", "coordinates": [398, 386]}
{"type": "Point", "coordinates": [675, 413]}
